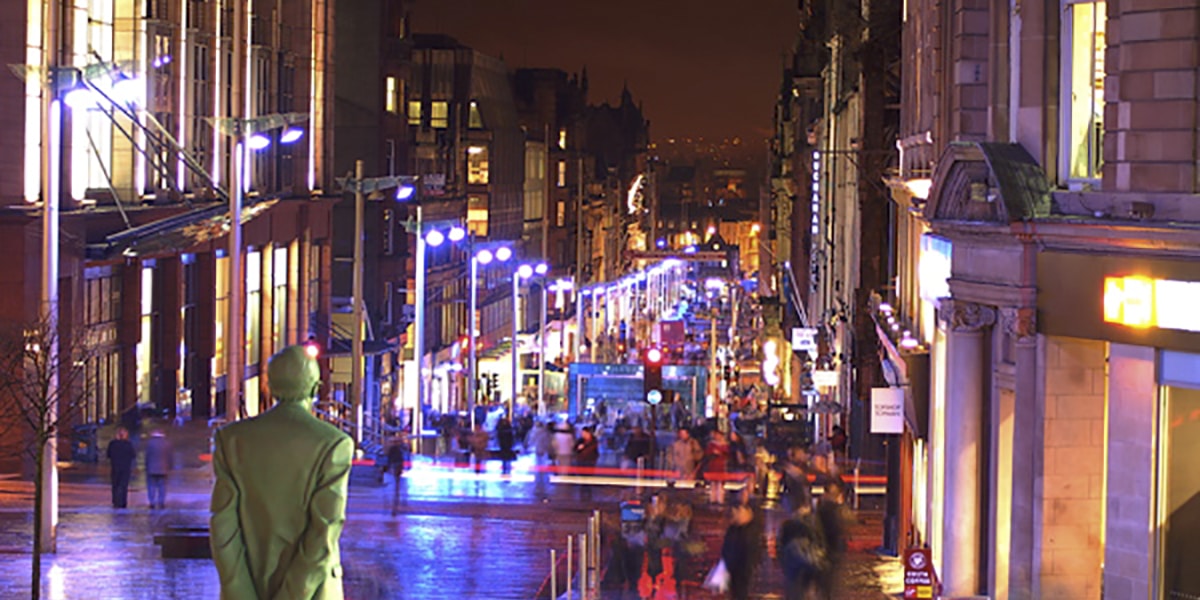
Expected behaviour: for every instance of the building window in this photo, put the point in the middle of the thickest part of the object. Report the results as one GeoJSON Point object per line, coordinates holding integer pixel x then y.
{"type": "Point", "coordinates": [1083, 89]}
{"type": "Point", "coordinates": [279, 298]}
{"type": "Point", "coordinates": [477, 215]}
{"type": "Point", "coordinates": [391, 101]}
{"type": "Point", "coordinates": [254, 281]}
{"type": "Point", "coordinates": [474, 119]}
{"type": "Point", "coordinates": [562, 138]}
{"type": "Point", "coordinates": [439, 114]}
{"type": "Point", "coordinates": [477, 165]}
{"type": "Point", "coordinates": [562, 173]}
{"type": "Point", "coordinates": [1179, 496]}
{"type": "Point", "coordinates": [145, 368]}
{"type": "Point", "coordinates": [414, 112]}
{"type": "Point", "coordinates": [560, 214]}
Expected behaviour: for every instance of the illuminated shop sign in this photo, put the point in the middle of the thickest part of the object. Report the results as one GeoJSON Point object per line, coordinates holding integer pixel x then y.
{"type": "Point", "coordinates": [1142, 302]}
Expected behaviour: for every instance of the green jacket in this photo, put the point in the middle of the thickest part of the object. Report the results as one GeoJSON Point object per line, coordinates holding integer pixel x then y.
{"type": "Point", "coordinates": [278, 506]}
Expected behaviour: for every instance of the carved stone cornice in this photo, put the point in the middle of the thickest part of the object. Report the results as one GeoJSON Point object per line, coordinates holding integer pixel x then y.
{"type": "Point", "coordinates": [1020, 323]}
{"type": "Point", "coordinates": [966, 317]}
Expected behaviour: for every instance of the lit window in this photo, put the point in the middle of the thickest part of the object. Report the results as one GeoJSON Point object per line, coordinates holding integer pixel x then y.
{"type": "Point", "coordinates": [562, 173]}
{"type": "Point", "coordinates": [560, 214]}
{"type": "Point", "coordinates": [1083, 89]}
{"type": "Point", "coordinates": [439, 114]}
{"type": "Point", "coordinates": [414, 112]}
{"type": "Point", "coordinates": [391, 102]}
{"type": "Point", "coordinates": [474, 119]}
{"type": "Point", "coordinates": [477, 165]}
{"type": "Point", "coordinates": [477, 215]}
{"type": "Point", "coordinates": [562, 139]}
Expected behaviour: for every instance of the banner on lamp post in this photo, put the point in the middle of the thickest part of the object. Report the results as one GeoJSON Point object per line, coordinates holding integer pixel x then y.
{"type": "Point", "coordinates": [887, 410]}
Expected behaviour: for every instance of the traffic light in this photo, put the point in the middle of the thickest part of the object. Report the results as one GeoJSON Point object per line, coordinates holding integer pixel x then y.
{"type": "Point", "coordinates": [652, 363]}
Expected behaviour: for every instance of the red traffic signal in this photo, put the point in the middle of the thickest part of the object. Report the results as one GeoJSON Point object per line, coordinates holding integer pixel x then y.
{"type": "Point", "coordinates": [654, 356]}
{"type": "Point", "coordinates": [312, 350]}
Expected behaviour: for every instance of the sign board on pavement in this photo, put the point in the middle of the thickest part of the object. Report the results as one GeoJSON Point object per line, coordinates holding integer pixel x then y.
{"type": "Point", "coordinates": [920, 579]}
{"type": "Point", "coordinates": [887, 410]}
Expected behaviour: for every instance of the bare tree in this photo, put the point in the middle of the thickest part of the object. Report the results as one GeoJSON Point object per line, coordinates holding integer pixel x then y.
{"type": "Point", "coordinates": [44, 386]}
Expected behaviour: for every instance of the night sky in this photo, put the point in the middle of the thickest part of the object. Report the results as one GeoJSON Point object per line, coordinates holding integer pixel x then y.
{"type": "Point", "coordinates": [707, 68]}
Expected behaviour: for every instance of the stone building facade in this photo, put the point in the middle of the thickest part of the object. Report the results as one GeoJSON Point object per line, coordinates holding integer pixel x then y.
{"type": "Point", "coordinates": [1050, 205]}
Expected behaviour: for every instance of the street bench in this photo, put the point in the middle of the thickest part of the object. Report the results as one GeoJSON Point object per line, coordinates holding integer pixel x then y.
{"type": "Point", "coordinates": [184, 542]}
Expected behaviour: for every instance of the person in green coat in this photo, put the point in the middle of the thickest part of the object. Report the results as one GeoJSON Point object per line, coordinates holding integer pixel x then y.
{"type": "Point", "coordinates": [279, 500]}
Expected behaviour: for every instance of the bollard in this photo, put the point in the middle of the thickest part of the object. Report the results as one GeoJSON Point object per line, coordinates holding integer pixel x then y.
{"type": "Point", "coordinates": [583, 558]}
{"type": "Point", "coordinates": [596, 551]}
{"type": "Point", "coordinates": [857, 465]}
{"type": "Point", "coordinates": [570, 538]}
{"type": "Point", "coordinates": [553, 575]}
{"type": "Point", "coordinates": [641, 466]}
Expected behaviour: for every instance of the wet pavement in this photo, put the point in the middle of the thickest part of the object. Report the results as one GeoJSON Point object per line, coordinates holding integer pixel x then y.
{"type": "Point", "coordinates": [455, 534]}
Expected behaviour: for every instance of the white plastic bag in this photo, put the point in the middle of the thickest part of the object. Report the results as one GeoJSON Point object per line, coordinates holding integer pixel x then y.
{"type": "Point", "coordinates": [718, 578]}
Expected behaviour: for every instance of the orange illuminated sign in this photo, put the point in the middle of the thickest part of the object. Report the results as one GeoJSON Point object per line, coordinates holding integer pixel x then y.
{"type": "Point", "coordinates": [1142, 302]}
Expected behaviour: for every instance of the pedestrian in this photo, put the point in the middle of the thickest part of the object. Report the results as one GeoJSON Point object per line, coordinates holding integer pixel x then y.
{"type": "Point", "coordinates": [741, 550]}
{"type": "Point", "coordinates": [587, 454]}
{"type": "Point", "coordinates": [158, 461]}
{"type": "Point", "coordinates": [835, 519]}
{"type": "Point", "coordinates": [122, 456]}
{"type": "Point", "coordinates": [279, 499]}
{"type": "Point", "coordinates": [564, 444]}
{"type": "Point", "coordinates": [506, 440]}
{"type": "Point", "coordinates": [837, 440]}
{"type": "Point", "coordinates": [796, 486]}
{"type": "Point", "coordinates": [716, 464]}
{"type": "Point", "coordinates": [479, 446]}
{"type": "Point", "coordinates": [397, 462]}
{"type": "Point", "coordinates": [637, 447]}
{"type": "Point", "coordinates": [801, 550]}
{"type": "Point", "coordinates": [685, 454]}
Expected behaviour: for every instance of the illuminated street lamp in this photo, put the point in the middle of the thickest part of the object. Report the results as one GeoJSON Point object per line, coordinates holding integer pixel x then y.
{"type": "Point", "coordinates": [483, 257]}
{"type": "Point", "coordinates": [361, 187]}
{"type": "Point", "coordinates": [248, 134]}
{"type": "Point", "coordinates": [432, 238]}
{"type": "Point", "coordinates": [524, 271]}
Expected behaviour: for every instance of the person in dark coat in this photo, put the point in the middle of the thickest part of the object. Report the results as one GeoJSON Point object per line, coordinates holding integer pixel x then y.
{"type": "Point", "coordinates": [122, 457]}
{"type": "Point", "coordinates": [157, 458]}
{"type": "Point", "coordinates": [835, 519]}
{"type": "Point", "coordinates": [587, 454]}
{"type": "Point", "coordinates": [507, 440]}
{"type": "Point", "coordinates": [741, 550]}
{"type": "Point", "coordinates": [801, 550]}
{"type": "Point", "coordinates": [637, 447]}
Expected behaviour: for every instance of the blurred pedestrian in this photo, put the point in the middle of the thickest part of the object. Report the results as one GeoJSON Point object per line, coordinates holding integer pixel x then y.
{"type": "Point", "coordinates": [685, 454]}
{"type": "Point", "coordinates": [397, 463]}
{"type": "Point", "coordinates": [741, 550]}
{"type": "Point", "coordinates": [506, 440]}
{"type": "Point", "coordinates": [587, 454]}
{"type": "Point", "coordinates": [122, 456]}
{"type": "Point", "coordinates": [479, 446]}
{"type": "Point", "coordinates": [801, 550]}
{"type": "Point", "coordinates": [716, 464]}
{"type": "Point", "coordinates": [835, 519]}
{"type": "Point", "coordinates": [638, 446]}
{"type": "Point", "coordinates": [796, 486]}
{"type": "Point", "coordinates": [564, 444]}
{"type": "Point", "coordinates": [158, 461]}
{"type": "Point", "coordinates": [837, 440]}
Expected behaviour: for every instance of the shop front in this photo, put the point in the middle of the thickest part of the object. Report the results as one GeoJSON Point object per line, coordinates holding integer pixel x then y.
{"type": "Point", "coordinates": [1142, 312]}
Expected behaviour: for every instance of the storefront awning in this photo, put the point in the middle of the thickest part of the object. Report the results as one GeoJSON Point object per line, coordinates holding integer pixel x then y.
{"type": "Point", "coordinates": [176, 233]}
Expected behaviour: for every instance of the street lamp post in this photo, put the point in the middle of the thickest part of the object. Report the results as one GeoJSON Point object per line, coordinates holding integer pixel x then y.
{"type": "Point", "coordinates": [542, 352]}
{"type": "Point", "coordinates": [522, 272]}
{"type": "Point", "coordinates": [433, 238]}
{"type": "Point", "coordinates": [247, 135]}
{"type": "Point", "coordinates": [483, 257]}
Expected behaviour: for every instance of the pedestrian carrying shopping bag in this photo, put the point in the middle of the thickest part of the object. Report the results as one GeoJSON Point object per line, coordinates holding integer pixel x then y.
{"type": "Point", "coordinates": [718, 578]}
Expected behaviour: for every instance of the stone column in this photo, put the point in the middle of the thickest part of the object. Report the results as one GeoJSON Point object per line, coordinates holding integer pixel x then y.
{"type": "Point", "coordinates": [965, 379]}
{"type": "Point", "coordinates": [1027, 459]}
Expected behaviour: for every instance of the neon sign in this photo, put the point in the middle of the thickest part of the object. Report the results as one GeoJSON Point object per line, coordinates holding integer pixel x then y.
{"type": "Point", "coordinates": [1142, 302]}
